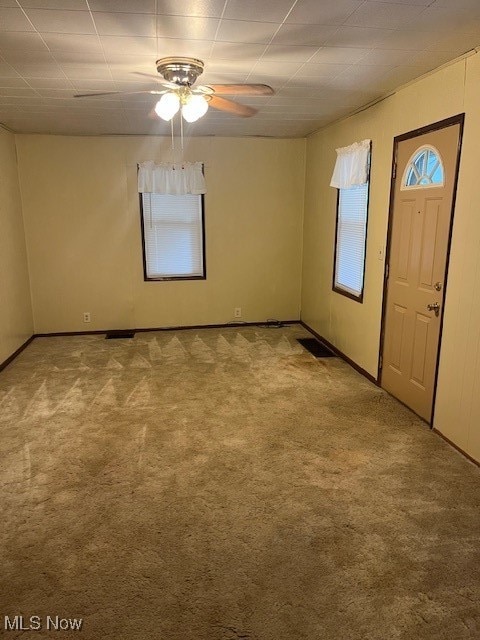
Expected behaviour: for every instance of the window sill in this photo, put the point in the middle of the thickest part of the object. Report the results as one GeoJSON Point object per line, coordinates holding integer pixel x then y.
{"type": "Point", "coordinates": [347, 294]}
{"type": "Point", "coordinates": [174, 278]}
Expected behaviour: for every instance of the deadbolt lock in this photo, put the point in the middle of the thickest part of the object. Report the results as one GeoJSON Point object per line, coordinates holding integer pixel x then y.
{"type": "Point", "coordinates": [437, 286]}
{"type": "Point", "coordinates": [435, 306]}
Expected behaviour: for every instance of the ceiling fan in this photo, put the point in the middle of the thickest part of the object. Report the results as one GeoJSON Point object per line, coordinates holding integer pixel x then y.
{"type": "Point", "coordinates": [177, 91]}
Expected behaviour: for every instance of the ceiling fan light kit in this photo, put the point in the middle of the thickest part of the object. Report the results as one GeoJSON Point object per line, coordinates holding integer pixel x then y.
{"type": "Point", "coordinates": [192, 106]}
{"type": "Point", "coordinates": [182, 72]}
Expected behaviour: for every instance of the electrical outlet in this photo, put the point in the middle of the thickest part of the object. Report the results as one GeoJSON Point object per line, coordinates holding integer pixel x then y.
{"type": "Point", "coordinates": [237, 312]}
{"type": "Point", "coordinates": [86, 316]}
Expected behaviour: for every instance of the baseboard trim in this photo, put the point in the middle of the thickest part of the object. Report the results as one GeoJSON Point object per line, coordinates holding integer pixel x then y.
{"type": "Point", "coordinates": [11, 358]}
{"type": "Point", "coordinates": [60, 334]}
{"type": "Point", "coordinates": [461, 451]}
{"type": "Point", "coordinates": [340, 354]}
{"type": "Point", "coordinates": [224, 325]}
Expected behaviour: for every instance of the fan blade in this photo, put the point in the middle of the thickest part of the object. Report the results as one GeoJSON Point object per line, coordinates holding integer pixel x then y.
{"type": "Point", "coordinates": [112, 93]}
{"type": "Point", "coordinates": [242, 89]}
{"type": "Point", "coordinates": [170, 85]}
{"type": "Point", "coordinates": [231, 107]}
{"type": "Point", "coordinates": [148, 75]}
{"type": "Point", "coordinates": [90, 95]}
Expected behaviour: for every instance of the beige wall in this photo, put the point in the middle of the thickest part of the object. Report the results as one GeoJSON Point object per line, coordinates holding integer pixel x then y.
{"type": "Point", "coordinates": [82, 224]}
{"type": "Point", "coordinates": [355, 328]}
{"type": "Point", "coordinates": [16, 324]}
{"type": "Point", "coordinates": [458, 392]}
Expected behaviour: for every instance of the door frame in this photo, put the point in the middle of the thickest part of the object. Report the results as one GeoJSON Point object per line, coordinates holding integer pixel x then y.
{"type": "Point", "coordinates": [442, 124]}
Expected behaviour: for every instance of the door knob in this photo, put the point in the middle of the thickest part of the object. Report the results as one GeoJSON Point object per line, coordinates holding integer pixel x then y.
{"type": "Point", "coordinates": [435, 306]}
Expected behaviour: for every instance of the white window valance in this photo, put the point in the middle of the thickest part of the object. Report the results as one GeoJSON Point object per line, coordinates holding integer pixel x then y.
{"type": "Point", "coordinates": [172, 179]}
{"type": "Point", "coordinates": [351, 167]}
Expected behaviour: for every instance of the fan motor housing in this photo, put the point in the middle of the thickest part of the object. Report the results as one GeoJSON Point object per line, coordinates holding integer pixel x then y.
{"type": "Point", "coordinates": [181, 71]}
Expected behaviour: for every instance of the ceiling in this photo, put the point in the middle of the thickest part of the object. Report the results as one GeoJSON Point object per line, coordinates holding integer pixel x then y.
{"type": "Point", "coordinates": [324, 58]}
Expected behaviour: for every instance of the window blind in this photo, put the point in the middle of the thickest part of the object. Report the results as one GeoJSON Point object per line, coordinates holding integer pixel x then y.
{"type": "Point", "coordinates": [351, 236]}
{"type": "Point", "coordinates": [173, 235]}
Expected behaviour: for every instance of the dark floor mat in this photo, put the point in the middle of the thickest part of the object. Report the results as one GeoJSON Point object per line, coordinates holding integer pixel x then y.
{"type": "Point", "coordinates": [316, 348]}
{"type": "Point", "coordinates": [119, 333]}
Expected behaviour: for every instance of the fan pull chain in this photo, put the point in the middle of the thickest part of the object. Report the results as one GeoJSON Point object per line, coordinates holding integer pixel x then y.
{"type": "Point", "coordinates": [181, 135]}
{"type": "Point", "coordinates": [173, 143]}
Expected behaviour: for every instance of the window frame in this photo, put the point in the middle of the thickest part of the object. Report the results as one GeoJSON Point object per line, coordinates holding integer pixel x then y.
{"type": "Point", "coordinates": [148, 278]}
{"type": "Point", "coordinates": [335, 287]}
{"type": "Point", "coordinates": [434, 185]}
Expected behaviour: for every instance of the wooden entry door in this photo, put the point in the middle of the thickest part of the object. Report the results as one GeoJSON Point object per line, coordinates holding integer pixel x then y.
{"type": "Point", "coordinates": [421, 213]}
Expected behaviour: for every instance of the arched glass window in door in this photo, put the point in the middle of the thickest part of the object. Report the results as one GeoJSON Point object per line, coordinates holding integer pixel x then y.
{"type": "Point", "coordinates": [424, 169]}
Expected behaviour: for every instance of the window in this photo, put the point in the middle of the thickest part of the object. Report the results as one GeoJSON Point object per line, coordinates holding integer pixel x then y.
{"type": "Point", "coordinates": [173, 236]}
{"type": "Point", "coordinates": [350, 240]}
{"type": "Point", "coordinates": [424, 169]}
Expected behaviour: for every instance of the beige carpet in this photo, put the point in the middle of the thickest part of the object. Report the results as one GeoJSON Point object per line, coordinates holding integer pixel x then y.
{"type": "Point", "coordinates": [226, 485]}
